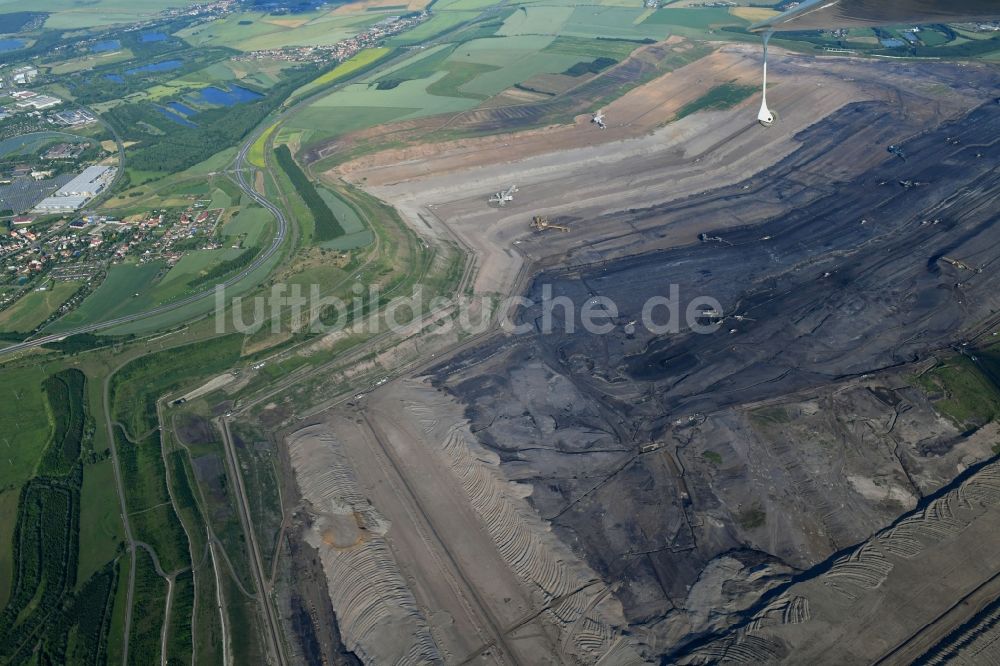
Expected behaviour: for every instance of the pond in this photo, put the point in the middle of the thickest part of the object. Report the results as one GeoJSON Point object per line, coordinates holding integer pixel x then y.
{"type": "Point", "coordinates": [105, 46]}
{"type": "Point", "coordinates": [181, 109]}
{"type": "Point", "coordinates": [11, 44]}
{"type": "Point", "coordinates": [152, 37]}
{"type": "Point", "coordinates": [117, 78]}
{"type": "Point", "coordinates": [221, 97]}
{"type": "Point", "coordinates": [164, 66]}
{"type": "Point", "coordinates": [175, 117]}
{"type": "Point", "coordinates": [27, 144]}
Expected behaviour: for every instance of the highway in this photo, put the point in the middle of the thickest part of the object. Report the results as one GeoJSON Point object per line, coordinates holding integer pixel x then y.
{"type": "Point", "coordinates": [240, 168]}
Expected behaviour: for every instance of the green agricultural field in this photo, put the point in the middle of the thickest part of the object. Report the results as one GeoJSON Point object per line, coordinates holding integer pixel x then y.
{"type": "Point", "coordinates": [35, 307]}
{"type": "Point", "coordinates": [491, 83]}
{"type": "Point", "coordinates": [614, 22]}
{"type": "Point", "coordinates": [320, 123]}
{"type": "Point", "coordinates": [350, 242]}
{"type": "Point", "coordinates": [501, 52]}
{"type": "Point", "coordinates": [215, 73]}
{"type": "Point", "coordinates": [458, 74]}
{"type": "Point", "coordinates": [479, 69]}
{"type": "Point", "coordinates": [217, 162]}
{"type": "Point", "coordinates": [191, 266]}
{"type": "Point", "coordinates": [417, 66]}
{"type": "Point", "coordinates": [220, 199]}
{"type": "Point", "coordinates": [422, 65]}
{"type": "Point", "coordinates": [100, 519]}
{"type": "Point", "coordinates": [137, 177]}
{"type": "Point", "coordinates": [197, 308]}
{"type": "Point", "coordinates": [126, 290]}
{"type": "Point", "coordinates": [252, 223]}
{"type": "Point", "coordinates": [697, 18]}
{"type": "Point", "coordinates": [71, 14]}
{"type": "Point", "coordinates": [261, 74]}
{"type": "Point", "coordinates": [91, 61]}
{"type": "Point", "coordinates": [590, 49]}
{"type": "Point", "coordinates": [454, 77]}
{"type": "Point", "coordinates": [256, 154]}
{"type": "Point", "coordinates": [446, 80]}
{"type": "Point", "coordinates": [232, 30]}
{"type": "Point", "coordinates": [270, 32]}
{"type": "Point", "coordinates": [24, 424]}
{"type": "Point", "coordinates": [932, 37]}
{"type": "Point", "coordinates": [355, 63]}
{"type": "Point", "coordinates": [529, 20]}
{"type": "Point", "coordinates": [501, 63]}
{"type": "Point", "coordinates": [462, 5]}
{"type": "Point", "coordinates": [407, 95]}
{"type": "Point", "coordinates": [441, 22]}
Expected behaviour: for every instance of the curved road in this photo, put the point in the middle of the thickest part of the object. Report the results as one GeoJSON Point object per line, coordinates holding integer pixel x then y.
{"type": "Point", "coordinates": [240, 167]}
{"type": "Point", "coordinates": [276, 242]}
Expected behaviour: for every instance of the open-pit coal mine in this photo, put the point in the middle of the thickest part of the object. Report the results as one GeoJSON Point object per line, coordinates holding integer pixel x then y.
{"type": "Point", "coordinates": [703, 475]}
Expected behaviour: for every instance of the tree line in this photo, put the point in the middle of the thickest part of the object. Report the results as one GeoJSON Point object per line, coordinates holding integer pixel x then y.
{"type": "Point", "coordinates": [326, 225]}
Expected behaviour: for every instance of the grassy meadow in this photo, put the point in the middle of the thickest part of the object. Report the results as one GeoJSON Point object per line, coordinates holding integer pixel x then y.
{"type": "Point", "coordinates": [35, 307]}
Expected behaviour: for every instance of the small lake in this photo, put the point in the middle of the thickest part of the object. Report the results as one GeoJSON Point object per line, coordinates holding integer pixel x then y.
{"type": "Point", "coordinates": [164, 66]}
{"type": "Point", "coordinates": [11, 44]}
{"type": "Point", "coordinates": [117, 78]}
{"type": "Point", "coordinates": [181, 109]}
{"type": "Point", "coordinates": [105, 46]}
{"type": "Point", "coordinates": [175, 117]}
{"type": "Point", "coordinates": [27, 144]}
{"type": "Point", "coordinates": [221, 97]}
{"type": "Point", "coordinates": [152, 37]}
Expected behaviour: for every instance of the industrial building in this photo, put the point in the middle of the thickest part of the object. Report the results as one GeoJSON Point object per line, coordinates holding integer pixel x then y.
{"type": "Point", "coordinates": [39, 102]}
{"type": "Point", "coordinates": [60, 204]}
{"type": "Point", "coordinates": [74, 194]}
{"type": "Point", "coordinates": [89, 183]}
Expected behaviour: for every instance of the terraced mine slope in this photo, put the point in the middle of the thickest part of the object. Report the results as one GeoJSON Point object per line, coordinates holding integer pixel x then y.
{"type": "Point", "coordinates": [711, 489]}
{"type": "Point", "coordinates": [568, 497]}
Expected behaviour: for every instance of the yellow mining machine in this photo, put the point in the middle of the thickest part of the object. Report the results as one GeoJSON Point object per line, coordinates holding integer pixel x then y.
{"type": "Point", "coordinates": [541, 223]}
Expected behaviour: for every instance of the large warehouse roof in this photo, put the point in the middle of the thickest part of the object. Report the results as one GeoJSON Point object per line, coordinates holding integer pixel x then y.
{"type": "Point", "coordinates": [89, 182]}
{"type": "Point", "coordinates": [61, 204]}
